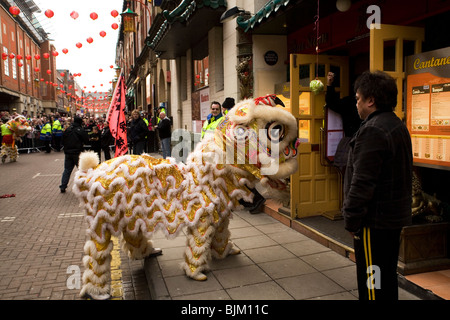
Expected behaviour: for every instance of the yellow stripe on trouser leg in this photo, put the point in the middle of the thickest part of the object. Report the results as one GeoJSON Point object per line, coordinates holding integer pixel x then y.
{"type": "Point", "coordinates": [116, 272]}
{"type": "Point", "coordinates": [368, 255]}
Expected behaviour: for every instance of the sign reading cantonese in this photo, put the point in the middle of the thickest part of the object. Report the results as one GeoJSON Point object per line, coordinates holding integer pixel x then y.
{"type": "Point", "coordinates": [428, 107]}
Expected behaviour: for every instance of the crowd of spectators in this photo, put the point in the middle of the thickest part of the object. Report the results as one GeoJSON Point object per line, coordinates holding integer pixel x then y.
{"type": "Point", "coordinates": [32, 139]}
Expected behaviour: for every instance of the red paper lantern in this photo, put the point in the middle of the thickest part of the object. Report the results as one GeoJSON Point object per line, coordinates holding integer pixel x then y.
{"type": "Point", "coordinates": [28, 57]}
{"type": "Point", "coordinates": [37, 57]}
{"type": "Point", "coordinates": [102, 33]}
{"type": "Point", "coordinates": [42, 79]}
{"type": "Point", "coordinates": [55, 53]}
{"type": "Point", "coordinates": [49, 13]}
{"type": "Point", "coordinates": [4, 56]}
{"type": "Point", "coordinates": [19, 57]}
{"type": "Point", "coordinates": [79, 45]}
{"type": "Point", "coordinates": [36, 69]}
{"type": "Point", "coordinates": [111, 66]}
{"type": "Point", "coordinates": [62, 74]}
{"type": "Point", "coordinates": [74, 15]}
{"type": "Point", "coordinates": [114, 13]}
{"type": "Point", "coordinates": [46, 55]}
{"type": "Point", "coordinates": [20, 64]}
{"type": "Point", "coordinates": [89, 40]}
{"type": "Point", "coordinates": [115, 26]}
{"type": "Point", "coordinates": [15, 11]}
{"type": "Point", "coordinates": [65, 51]}
{"type": "Point", "coordinates": [93, 16]}
{"type": "Point", "coordinates": [12, 56]}
{"type": "Point", "coordinates": [101, 70]}
{"type": "Point", "coordinates": [49, 71]}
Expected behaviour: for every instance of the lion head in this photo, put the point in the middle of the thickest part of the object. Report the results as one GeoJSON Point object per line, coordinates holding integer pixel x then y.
{"type": "Point", "coordinates": [19, 126]}
{"type": "Point", "coordinates": [259, 139]}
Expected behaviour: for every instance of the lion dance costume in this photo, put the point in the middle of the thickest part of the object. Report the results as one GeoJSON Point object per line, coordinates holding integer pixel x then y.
{"type": "Point", "coordinates": [133, 196]}
{"type": "Point", "coordinates": [13, 130]}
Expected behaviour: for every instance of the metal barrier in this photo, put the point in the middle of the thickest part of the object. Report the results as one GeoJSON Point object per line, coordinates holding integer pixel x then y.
{"type": "Point", "coordinates": [30, 143]}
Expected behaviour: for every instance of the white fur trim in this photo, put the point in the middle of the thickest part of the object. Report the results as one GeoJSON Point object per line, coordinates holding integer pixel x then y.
{"type": "Point", "coordinates": [88, 160]}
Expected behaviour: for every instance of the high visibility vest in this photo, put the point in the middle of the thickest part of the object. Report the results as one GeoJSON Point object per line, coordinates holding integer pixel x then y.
{"type": "Point", "coordinates": [157, 116]}
{"type": "Point", "coordinates": [46, 132]}
{"type": "Point", "coordinates": [211, 126]}
{"type": "Point", "coordinates": [7, 135]}
{"type": "Point", "coordinates": [5, 130]}
{"type": "Point", "coordinates": [146, 122]}
{"type": "Point", "coordinates": [57, 128]}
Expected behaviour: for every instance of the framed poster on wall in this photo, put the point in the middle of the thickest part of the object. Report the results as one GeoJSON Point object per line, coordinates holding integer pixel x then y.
{"type": "Point", "coordinates": [428, 107]}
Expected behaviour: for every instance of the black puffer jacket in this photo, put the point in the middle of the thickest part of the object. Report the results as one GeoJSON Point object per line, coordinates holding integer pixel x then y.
{"type": "Point", "coordinates": [378, 180]}
{"type": "Point", "coordinates": [138, 130]}
{"type": "Point", "coordinates": [74, 138]}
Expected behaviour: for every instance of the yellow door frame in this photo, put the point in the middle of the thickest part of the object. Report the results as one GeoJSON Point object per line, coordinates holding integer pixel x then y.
{"type": "Point", "coordinates": [399, 34]}
{"type": "Point", "coordinates": [315, 189]}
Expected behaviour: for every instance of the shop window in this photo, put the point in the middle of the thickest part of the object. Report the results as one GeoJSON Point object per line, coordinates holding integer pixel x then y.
{"type": "Point", "coordinates": [389, 55]}
{"type": "Point", "coordinates": [304, 77]}
{"type": "Point", "coordinates": [408, 50]}
{"type": "Point", "coordinates": [304, 130]}
{"type": "Point", "coordinates": [201, 73]}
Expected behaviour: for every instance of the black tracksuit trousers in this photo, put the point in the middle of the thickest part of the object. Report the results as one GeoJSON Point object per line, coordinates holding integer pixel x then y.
{"type": "Point", "coordinates": [376, 253]}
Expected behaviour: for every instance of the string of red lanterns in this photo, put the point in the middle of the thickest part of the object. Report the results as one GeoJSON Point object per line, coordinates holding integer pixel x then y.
{"type": "Point", "coordinates": [14, 10]}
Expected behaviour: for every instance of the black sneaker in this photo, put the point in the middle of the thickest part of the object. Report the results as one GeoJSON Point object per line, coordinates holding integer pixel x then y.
{"type": "Point", "coordinates": [63, 190]}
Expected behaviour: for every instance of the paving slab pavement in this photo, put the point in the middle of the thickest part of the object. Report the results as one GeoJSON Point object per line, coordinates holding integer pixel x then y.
{"type": "Point", "coordinates": [42, 234]}
{"type": "Point", "coordinates": [275, 263]}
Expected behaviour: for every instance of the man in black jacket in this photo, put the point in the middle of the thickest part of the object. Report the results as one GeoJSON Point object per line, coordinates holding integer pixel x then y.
{"type": "Point", "coordinates": [165, 134]}
{"type": "Point", "coordinates": [378, 186]}
{"type": "Point", "coordinates": [106, 140]}
{"type": "Point", "coordinates": [74, 138]}
{"type": "Point", "coordinates": [138, 132]}
{"type": "Point", "coordinates": [346, 108]}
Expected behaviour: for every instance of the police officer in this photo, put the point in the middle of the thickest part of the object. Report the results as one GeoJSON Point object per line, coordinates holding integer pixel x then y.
{"type": "Point", "coordinates": [46, 134]}
{"type": "Point", "coordinates": [57, 133]}
{"type": "Point", "coordinates": [213, 119]}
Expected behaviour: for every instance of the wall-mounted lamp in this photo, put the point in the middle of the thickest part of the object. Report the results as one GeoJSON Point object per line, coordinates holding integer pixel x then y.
{"type": "Point", "coordinates": [343, 5]}
{"type": "Point", "coordinates": [128, 18]}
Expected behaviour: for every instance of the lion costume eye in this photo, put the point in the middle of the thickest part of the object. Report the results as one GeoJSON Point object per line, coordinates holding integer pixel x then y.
{"type": "Point", "coordinates": [275, 131]}
{"type": "Point", "coordinates": [240, 132]}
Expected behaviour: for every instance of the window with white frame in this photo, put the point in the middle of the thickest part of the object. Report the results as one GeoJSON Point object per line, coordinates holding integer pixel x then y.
{"type": "Point", "coordinates": [22, 73]}
{"type": "Point", "coordinates": [14, 67]}
{"type": "Point", "coordinates": [6, 64]}
{"type": "Point", "coordinates": [29, 72]}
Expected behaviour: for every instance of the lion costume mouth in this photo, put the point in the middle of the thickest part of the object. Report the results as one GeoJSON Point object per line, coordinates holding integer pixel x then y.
{"type": "Point", "coordinates": [261, 139]}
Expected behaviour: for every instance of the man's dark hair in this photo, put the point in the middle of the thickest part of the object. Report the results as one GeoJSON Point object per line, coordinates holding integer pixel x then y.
{"type": "Point", "coordinates": [215, 102]}
{"type": "Point", "coordinates": [380, 86]}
